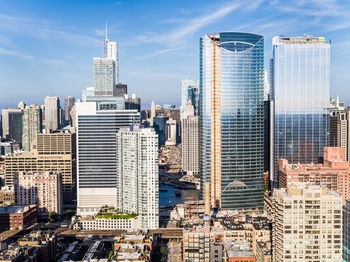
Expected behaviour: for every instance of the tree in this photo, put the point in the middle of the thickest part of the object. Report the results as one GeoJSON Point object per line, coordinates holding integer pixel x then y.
{"type": "Point", "coordinates": [53, 215]}
{"type": "Point", "coordinates": [69, 213]}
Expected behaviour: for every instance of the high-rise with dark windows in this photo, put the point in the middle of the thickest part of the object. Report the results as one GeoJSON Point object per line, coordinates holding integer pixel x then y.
{"type": "Point", "coordinates": [232, 119]}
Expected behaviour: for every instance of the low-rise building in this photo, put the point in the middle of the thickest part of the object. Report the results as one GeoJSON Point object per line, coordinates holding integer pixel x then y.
{"type": "Point", "coordinates": [45, 241]}
{"type": "Point", "coordinates": [108, 219]}
{"type": "Point", "coordinates": [131, 247]}
{"type": "Point", "coordinates": [17, 217]}
{"type": "Point", "coordinates": [7, 196]}
{"type": "Point", "coordinates": [16, 253]}
{"type": "Point", "coordinates": [238, 251]}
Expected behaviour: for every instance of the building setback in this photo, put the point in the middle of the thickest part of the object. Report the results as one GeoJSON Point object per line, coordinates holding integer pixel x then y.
{"type": "Point", "coordinates": [137, 174]}
{"type": "Point", "coordinates": [231, 119]}
{"type": "Point", "coordinates": [334, 173]}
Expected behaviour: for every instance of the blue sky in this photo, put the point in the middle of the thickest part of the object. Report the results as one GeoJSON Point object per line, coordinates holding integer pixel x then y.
{"type": "Point", "coordinates": [46, 47]}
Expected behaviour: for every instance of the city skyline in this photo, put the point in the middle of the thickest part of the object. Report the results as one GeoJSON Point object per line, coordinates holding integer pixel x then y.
{"type": "Point", "coordinates": [62, 48]}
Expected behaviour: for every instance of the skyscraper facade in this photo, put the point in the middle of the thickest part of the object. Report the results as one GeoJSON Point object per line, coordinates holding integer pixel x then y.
{"type": "Point", "coordinates": [68, 104]}
{"type": "Point", "coordinates": [52, 112]}
{"type": "Point", "coordinates": [232, 118]}
{"type": "Point", "coordinates": [190, 139]}
{"type": "Point", "coordinates": [307, 224]}
{"type": "Point", "coordinates": [137, 174]}
{"type": "Point", "coordinates": [31, 125]}
{"type": "Point", "coordinates": [346, 231]}
{"type": "Point", "coordinates": [104, 77]}
{"type": "Point", "coordinates": [12, 124]}
{"type": "Point", "coordinates": [189, 91]}
{"type": "Point", "coordinates": [110, 51]}
{"type": "Point", "coordinates": [301, 85]}
{"type": "Point", "coordinates": [97, 154]}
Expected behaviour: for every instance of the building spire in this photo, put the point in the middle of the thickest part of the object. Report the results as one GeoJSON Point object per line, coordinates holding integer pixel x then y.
{"type": "Point", "coordinates": [106, 31]}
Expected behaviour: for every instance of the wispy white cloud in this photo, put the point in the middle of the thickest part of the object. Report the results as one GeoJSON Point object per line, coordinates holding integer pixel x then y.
{"type": "Point", "coordinates": [4, 51]}
{"type": "Point", "coordinates": [161, 52]}
{"type": "Point", "coordinates": [41, 29]}
{"type": "Point", "coordinates": [118, 3]}
{"type": "Point", "coordinates": [193, 25]}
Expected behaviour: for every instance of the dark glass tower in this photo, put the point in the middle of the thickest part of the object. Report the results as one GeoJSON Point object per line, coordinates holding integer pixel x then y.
{"type": "Point", "coordinates": [232, 119]}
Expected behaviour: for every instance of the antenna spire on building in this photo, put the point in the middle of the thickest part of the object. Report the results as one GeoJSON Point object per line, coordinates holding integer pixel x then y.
{"type": "Point", "coordinates": [106, 31]}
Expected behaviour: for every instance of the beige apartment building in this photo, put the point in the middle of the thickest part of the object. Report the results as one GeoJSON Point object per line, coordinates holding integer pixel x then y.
{"type": "Point", "coordinates": [53, 152]}
{"type": "Point", "coordinates": [42, 189]}
{"type": "Point", "coordinates": [307, 224]}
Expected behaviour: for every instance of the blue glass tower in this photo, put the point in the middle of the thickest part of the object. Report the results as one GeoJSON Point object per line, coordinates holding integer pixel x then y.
{"type": "Point", "coordinates": [301, 84]}
{"type": "Point", "coordinates": [232, 119]}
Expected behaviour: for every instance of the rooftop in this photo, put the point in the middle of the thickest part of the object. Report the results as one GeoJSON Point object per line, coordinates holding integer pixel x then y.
{"type": "Point", "coordinates": [15, 209]}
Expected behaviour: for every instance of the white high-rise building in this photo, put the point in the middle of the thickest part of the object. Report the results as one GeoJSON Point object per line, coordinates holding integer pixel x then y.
{"type": "Point", "coordinates": [110, 50]}
{"type": "Point", "coordinates": [52, 112]}
{"type": "Point", "coordinates": [31, 125]}
{"type": "Point", "coordinates": [96, 154]}
{"type": "Point", "coordinates": [307, 224]}
{"type": "Point", "coordinates": [104, 77]}
{"type": "Point", "coordinates": [137, 174]}
{"type": "Point", "coordinates": [190, 140]}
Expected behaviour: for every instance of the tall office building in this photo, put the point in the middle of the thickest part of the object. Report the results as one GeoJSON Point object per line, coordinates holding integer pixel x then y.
{"type": "Point", "coordinates": [52, 152]}
{"type": "Point", "coordinates": [159, 125]}
{"type": "Point", "coordinates": [68, 104]}
{"type": "Point", "coordinates": [104, 77]}
{"type": "Point", "coordinates": [52, 113]}
{"type": "Point", "coordinates": [153, 113]}
{"type": "Point", "coordinates": [190, 139]}
{"type": "Point", "coordinates": [301, 84]}
{"type": "Point", "coordinates": [132, 102]}
{"type": "Point", "coordinates": [12, 124]}
{"type": "Point", "coordinates": [110, 51]}
{"type": "Point", "coordinates": [137, 174]}
{"type": "Point", "coordinates": [31, 125]}
{"type": "Point", "coordinates": [307, 224]}
{"type": "Point", "coordinates": [232, 119]}
{"type": "Point", "coordinates": [189, 91]}
{"type": "Point", "coordinates": [96, 154]}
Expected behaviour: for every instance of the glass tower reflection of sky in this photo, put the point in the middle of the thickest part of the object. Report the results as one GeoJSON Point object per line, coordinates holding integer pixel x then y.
{"type": "Point", "coordinates": [301, 82]}
{"type": "Point", "coordinates": [231, 118]}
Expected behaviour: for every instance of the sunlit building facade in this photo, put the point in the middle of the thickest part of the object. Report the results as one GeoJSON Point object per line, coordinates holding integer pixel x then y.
{"type": "Point", "coordinates": [232, 118]}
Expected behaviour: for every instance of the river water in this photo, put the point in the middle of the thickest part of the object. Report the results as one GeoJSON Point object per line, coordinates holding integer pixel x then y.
{"type": "Point", "coordinates": [168, 198]}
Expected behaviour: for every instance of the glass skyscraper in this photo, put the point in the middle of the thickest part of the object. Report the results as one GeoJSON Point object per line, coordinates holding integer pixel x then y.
{"type": "Point", "coordinates": [301, 85]}
{"type": "Point", "coordinates": [232, 119]}
{"type": "Point", "coordinates": [189, 91]}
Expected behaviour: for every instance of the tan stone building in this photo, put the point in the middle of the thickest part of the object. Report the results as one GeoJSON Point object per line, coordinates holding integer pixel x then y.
{"type": "Point", "coordinates": [52, 152]}
{"type": "Point", "coordinates": [307, 224]}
